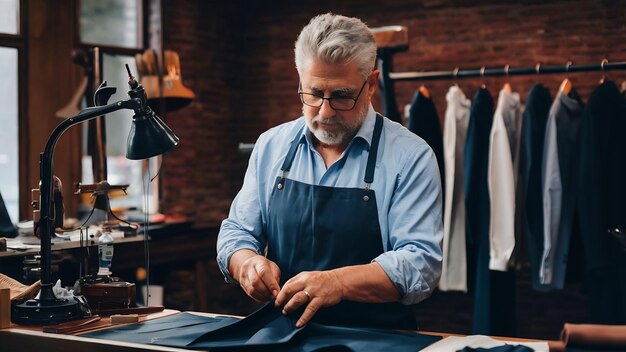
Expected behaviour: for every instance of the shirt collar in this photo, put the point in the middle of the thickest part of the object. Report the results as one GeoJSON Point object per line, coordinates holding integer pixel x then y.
{"type": "Point", "coordinates": [365, 132]}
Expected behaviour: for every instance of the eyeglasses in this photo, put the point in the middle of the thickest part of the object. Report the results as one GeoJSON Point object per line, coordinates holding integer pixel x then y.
{"type": "Point", "coordinates": [336, 103]}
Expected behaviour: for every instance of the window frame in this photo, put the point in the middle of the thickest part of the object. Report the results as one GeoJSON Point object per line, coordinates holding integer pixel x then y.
{"type": "Point", "coordinates": [29, 134]}
{"type": "Point", "coordinates": [19, 42]}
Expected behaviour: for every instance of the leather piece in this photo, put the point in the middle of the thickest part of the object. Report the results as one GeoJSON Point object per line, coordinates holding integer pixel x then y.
{"type": "Point", "coordinates": [265, 330]}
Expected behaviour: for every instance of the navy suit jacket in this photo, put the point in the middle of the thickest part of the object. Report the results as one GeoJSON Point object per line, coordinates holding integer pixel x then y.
{"type": "Point", "coordinates": [531, 154]}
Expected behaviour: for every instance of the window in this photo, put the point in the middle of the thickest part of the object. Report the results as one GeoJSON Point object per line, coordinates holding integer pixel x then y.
{"type": "Point", "coordinates": [10, 43]}
{"type": "Point", "coordinates": [111, 25]}
{"type": "Point", "coordinates": [9, 148]}
{"type": "Point", "coordinates": [9, 16]}
{"type": "Point", "coordinates": [116, 23]}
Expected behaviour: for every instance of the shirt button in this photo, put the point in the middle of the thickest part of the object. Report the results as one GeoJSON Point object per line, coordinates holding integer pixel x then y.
{"type": "Point", "coordinates": [366, 198]}
{"type": "Point", "coordinates": [280, 186]}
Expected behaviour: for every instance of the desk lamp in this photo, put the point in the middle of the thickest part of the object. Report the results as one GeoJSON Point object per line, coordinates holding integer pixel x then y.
{"type": "Point", "coordinates": [148, 137]}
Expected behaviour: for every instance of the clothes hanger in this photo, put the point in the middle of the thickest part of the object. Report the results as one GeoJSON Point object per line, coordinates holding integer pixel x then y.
{"type": "Point", "coordinates": [538, 68]}
{"type": "Point", "coordinates": [482, 74]}
{"type": "Point", "coordinates": [455, 73]}
{"type": "Point", "coordinates": [424, 91]}
{"type": "Point", "coordinates": [507, 86]}
{"type": "Point", "coordinates": [603, 78]}
{"type": "Point", "coordinates": [566, 85]}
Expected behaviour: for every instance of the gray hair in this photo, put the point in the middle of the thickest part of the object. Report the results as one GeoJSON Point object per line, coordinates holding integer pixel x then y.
{"type": "Point", "coordinates": [336, 39]}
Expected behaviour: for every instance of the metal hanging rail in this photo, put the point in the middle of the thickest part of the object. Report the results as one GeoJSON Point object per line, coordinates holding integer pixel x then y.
{"type": "Point", "coordinates": [457, 73]}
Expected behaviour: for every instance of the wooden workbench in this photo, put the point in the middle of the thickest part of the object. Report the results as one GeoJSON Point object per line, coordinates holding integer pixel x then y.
{"type": "Point", "coordinates": [23, 338]}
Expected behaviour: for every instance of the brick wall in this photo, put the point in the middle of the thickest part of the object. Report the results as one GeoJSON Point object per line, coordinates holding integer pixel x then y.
{"type": "Point", "coordinates": [203, 173]}
{"type": "Point", "coordinates": [238, 58]}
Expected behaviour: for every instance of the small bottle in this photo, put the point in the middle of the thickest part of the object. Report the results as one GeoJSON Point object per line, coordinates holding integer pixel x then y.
{"type": "Point", "coordinates": [105, 253]}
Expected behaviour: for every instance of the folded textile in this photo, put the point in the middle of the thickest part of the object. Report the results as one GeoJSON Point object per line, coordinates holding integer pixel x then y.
{"type": "Point", "coordinates": [267, 326]}
{"type": "Point", "coordinates": [265, 330]}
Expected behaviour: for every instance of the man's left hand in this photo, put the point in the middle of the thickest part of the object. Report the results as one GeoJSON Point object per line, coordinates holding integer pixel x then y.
{"type": "Point", "coordinates": [314, 289]}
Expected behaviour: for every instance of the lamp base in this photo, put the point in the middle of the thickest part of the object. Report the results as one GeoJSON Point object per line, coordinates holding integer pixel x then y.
{"type": "Point", "coordinates": [40, 312]}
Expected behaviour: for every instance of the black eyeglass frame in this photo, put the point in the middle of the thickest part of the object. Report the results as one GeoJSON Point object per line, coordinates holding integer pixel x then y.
{"type": "Point", "coordinates": [330, 99]}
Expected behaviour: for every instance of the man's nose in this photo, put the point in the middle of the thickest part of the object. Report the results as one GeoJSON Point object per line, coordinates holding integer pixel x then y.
{"type": "Point", "coordinates": [326, 110]}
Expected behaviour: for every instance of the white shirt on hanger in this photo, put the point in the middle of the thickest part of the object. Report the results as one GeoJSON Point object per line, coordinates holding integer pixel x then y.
{"type": "Point", "coordinates": [454, 269]}
{"type": "Point", "coordinates": [502, 179]}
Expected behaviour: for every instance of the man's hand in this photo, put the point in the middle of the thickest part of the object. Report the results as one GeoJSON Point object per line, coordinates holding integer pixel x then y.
{"type": "Point", "coordinates": [315, 289]}
{"type": "Point", "coordinates": [258, 276]}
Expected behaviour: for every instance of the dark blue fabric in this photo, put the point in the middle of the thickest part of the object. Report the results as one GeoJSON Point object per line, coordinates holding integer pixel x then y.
{"type": "Point", "coordinates": [317, 337]}
{"type": "Point", "coordinates": [267, 326]}
{"type": "Point", "coordinates": [531, 155]}
{"type": "Point", "coordinates": [181, 328]}
{"type": "Point", "coordinates": [477, 208]}
{"type": "Point", "coordinates": [475, 170]}
{"type": "Point", "coordinates": [493, 291]}
{"type": "Point", "coordinates": [354, 339]}
{"type": "Point", "coordinates": [505, 348]}
{"type": "Point", "coordinates": [424, 122]}
{"type": "Point", "coordinates": [334, 227]}
{"type": "Point", "coordinates": [265, 330]}
{"type": "Point", "coordinates": [602, 204]}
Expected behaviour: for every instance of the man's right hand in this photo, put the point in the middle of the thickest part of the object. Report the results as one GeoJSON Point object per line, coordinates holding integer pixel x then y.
{"type": "Point", "coordinates": [258, 276]}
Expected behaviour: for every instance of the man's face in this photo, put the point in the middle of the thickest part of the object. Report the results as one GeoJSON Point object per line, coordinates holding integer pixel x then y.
{"type": "Point", "coordinates": [328, 125]}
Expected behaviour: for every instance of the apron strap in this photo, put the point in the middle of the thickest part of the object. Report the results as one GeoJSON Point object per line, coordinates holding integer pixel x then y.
{"type": "Point", "coordinates": [371, 159]}
{"type": "Point", "coordinates": [291, 154]}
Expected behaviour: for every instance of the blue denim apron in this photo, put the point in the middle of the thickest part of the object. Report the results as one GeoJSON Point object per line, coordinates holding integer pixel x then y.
{"type": "Point", "coordinates": [313, 228]}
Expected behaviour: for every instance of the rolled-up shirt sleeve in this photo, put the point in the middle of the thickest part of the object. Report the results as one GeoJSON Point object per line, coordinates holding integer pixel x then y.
{"type": "Point", "coordinates": [415, 227]}
{"type": "Point", "coordinates": [243, 229]}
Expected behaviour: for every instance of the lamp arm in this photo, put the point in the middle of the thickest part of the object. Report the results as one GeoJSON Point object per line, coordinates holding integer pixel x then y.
{"type": "Point", "coordinates": [46, 176]}
{"type": "Point", "coordinates": [88, 114]}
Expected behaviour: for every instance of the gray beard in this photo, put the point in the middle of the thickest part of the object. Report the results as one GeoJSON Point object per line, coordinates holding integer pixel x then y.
{"type": "Point", "coordinates": [345, 133]}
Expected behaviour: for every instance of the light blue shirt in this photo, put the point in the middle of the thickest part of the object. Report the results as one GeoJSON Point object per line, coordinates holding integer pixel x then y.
{"type": "Point", "coordinates": [556, 235]}
{"type": "Point", "coordinates": [406, 183]}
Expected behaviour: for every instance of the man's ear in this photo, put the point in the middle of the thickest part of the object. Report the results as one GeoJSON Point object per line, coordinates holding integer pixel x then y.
{"type": "Point", "coordinates": [373, 82]}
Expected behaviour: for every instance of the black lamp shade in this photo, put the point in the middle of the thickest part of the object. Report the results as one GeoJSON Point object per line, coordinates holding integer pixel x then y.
{"type": "Point", "coordinates": [148, 137]}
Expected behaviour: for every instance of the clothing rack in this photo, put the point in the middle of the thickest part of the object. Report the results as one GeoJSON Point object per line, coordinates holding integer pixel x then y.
{"type": "Point", "coordinates": [497, 313]}
{"type": "Point", "coordinates": [393, 39]}
{"type": "Point", "coordinates": [605, 65]}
